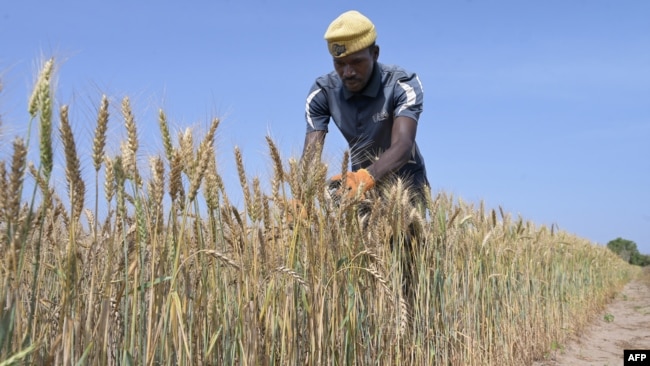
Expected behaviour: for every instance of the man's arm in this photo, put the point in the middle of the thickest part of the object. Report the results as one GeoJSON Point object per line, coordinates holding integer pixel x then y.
{"type": "Point", "coordinates": [313, 147]}
{"type": "Point", "coordinates": [399, 152]}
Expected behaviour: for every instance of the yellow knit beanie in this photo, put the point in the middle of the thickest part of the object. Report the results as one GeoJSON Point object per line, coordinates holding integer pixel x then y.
{"type": "Point", "coordinates": [349, 33]}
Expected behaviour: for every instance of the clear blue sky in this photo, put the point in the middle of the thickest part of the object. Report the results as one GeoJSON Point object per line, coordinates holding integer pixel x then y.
{"type": "Point", "coordinates": [541, 107]}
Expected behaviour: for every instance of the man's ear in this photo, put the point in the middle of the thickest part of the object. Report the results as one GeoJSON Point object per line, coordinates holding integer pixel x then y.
{"type": "Point", "coordinates": [375, 53]}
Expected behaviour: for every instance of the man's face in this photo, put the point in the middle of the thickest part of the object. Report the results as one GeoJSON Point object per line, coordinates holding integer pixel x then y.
{"type": "Point", "coordinates": [355, 69]}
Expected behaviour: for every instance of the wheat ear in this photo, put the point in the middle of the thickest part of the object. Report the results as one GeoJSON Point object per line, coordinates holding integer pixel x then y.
{"type": "Point", "coordinates": [76, 186]}
{"type": "Point", "coordinates": [4, 186]}
{"type": "Point", "coordinates": [278, 170]}
{"type": "Point", "coordinates": [242, 179]}
{"type": "Point", "coordinates": [164, 131]}
{"type": "Point", "coordinates": [175, 178]}
{"type": "Point", "coordinates": [293, 274]}
{"type": "Point", "coordinates": [344, 167]}
{"type": "Point", "coordinates": [43, 77]}
{"type": "Point", "coordinates": [203, 155]}
{"type": "Point", "coordinates": [16, 178]}
{"type": "Point", "coordinates": [44, 104]}
{"type": "Point", "coordinates": [109, 179]}
{"type": "Point", "coordinates": [156, 189]}
{"type": "Point", "coordinates": [99, 141]}
{"type": "Point", "coordinates": [130, 152]}
{"type": "Point", "coordinates": [186, 147]}
{"type": "Point", "coordinates": [212, 182]}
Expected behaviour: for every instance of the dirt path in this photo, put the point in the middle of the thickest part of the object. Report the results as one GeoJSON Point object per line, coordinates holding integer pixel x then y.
{"type": "Point", "coordinates": [624, 324]}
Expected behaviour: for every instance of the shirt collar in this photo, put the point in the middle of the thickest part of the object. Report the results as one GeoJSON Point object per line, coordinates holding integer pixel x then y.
{"type": "Point", "coordinates": [372, 88]}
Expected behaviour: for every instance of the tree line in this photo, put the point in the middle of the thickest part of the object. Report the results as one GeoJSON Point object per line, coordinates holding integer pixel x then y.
{"type": "Point", "coordinates": [628, 250]}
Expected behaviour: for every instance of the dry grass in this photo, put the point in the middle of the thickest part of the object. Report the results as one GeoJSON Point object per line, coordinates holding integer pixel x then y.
{"type": "Point", "coordinates": [175, 274]}
{"type": "Point", "coordinates": [645, 278]}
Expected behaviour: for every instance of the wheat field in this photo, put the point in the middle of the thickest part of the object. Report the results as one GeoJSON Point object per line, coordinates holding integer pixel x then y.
{"type": "Point", "coordinates": [174, 274]}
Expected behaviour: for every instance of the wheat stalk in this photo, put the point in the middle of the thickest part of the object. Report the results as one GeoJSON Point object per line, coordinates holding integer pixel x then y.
{"type": "Point", "coordinates": [453, 217]}
{"type": "Point", "coordinates": [404, 316]}
{"type": "Point", "coordinates": [4, 192]}
{"type": "Point", "coordinates": [293, 274]}
{"type": "Point", "coordinates": [166, 137]}
{"type": "Point", "coordinates": [176, 192]}
{"type": "Point", "coordinates": [16, 179]}
{"type": "Point", "coordinates": [380, 278]}
{"type": "Point", "coordinates": [224, 258]}
{"type": "Point", "coordinates": [212, 183]}
{"type": "Point", "coordinates": [130, 149]}
{"type": "Point", "coordinates": [43, 102]}
{"type": "Point", "coordinates": [242, 179]}
{"type": "Point", "coordinates": [42, 185]}
{"type": "Point", "coordinates": [157, 183]}
{"type": "Point", "coordinates": [186, 147]}
{"type": "Point", "coordinates": [120, 192]}
{"type": "Point", "coordinates": [256, 207]}
{"type": "Point", "coordinates": [156, 190]}
{"type": "Point", "coordinates": [278, 170]}
{"type": "Point", "coordinates": [99, 141]}
{"type": "Point", "coordinates": [344, 167]}
{"type": "Point", "coordinates": [109, 179]}
{"type": "Point", "coordinates": [46, 146]}
{"type": "Point", "coordinates": [198, 175]}
{"type": "Point", "coordinates": [295, 184]}
{"type": "Point", "coordinates": [33, 105]}
{"type": "Point", "coordinates": [76, 186]}
{"type": "Point", "coordinates": [204, 154]}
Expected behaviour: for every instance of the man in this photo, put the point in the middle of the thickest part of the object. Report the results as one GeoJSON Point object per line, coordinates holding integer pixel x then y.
{"type": "Point", "coordinates": [376, 107]}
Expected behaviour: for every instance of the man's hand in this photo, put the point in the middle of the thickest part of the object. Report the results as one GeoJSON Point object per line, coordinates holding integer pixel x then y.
{"type": "Point", "coordinates": [294, 211]}
{"type": "Point", "coordinates": [358, 182]}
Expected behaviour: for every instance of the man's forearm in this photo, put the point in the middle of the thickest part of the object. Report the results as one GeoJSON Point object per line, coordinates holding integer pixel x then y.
{"type": "Point", "coordinates": [392, 159]}
{"type": "Point", "coordinates": [313, 147]}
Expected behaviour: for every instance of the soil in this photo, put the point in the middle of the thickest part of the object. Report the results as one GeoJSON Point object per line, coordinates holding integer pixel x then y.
{"type": "Point", "coordinates": [624, 324]}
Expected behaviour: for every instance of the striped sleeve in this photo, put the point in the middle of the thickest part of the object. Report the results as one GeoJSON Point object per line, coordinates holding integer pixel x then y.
{"type": "Point", "coordinates": [317, 113]}
{"type": "Point", "coordinates": [409, 96]}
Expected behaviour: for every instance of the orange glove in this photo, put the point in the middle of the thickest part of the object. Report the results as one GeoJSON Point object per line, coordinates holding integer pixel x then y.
{"type": "Point", "coordinates": [355, 182]}
{"type": "Point", "coordinates": [298, 208]}
{"type": "Point", "coordinates": [294, 211]}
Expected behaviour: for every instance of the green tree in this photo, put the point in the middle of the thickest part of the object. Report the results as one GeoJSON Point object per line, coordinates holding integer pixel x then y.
{"type": "Point", "coordinates": [628, 251]}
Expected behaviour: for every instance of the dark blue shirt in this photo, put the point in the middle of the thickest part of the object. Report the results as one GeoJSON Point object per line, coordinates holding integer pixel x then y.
{"type": "Point", "coordinates": [366, 118]}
